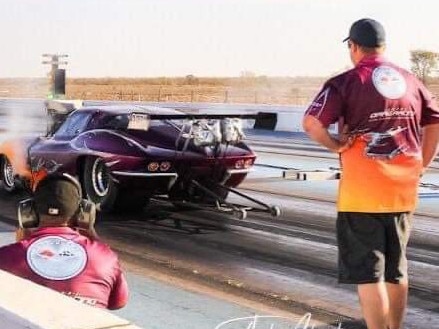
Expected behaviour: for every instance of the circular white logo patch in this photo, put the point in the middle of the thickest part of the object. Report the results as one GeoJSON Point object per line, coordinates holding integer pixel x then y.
{"type": "Point", "coordinates": [56, 258]}
{"type": "Point", "coordinates": [389, 82]}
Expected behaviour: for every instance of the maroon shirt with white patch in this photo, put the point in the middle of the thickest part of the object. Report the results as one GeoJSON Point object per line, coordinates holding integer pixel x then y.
{"type": "Point", "coordinates": [385, 108]}
{"type": "Point", "coordinates": [62, 259]}
{"type": "Point", "coordinates": [376, 97]}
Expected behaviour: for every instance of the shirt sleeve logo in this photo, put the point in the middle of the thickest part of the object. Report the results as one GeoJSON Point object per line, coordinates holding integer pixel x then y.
{"type": "Point", "coordinates": [318, 103]}
{"type": "Point", "coordinates": [56, 258]}
{"type": "Point", "coordinates": [389, 82]}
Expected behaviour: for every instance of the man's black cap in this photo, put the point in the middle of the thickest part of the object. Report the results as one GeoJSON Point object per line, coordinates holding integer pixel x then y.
{"type": "Point", "coordinates": [57, 196]}
{"type": "Point", "coordinates": [367, 32]}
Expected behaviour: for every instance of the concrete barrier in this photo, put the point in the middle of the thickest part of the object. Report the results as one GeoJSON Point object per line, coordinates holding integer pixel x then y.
{"type": "Point", "coordinates": [25, 305]}
{"type": "Point", "coordinates": [289, 121]}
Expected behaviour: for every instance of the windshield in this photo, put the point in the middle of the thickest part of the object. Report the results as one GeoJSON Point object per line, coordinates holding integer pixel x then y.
{"type": "Point", "coordinates": [74, 125]}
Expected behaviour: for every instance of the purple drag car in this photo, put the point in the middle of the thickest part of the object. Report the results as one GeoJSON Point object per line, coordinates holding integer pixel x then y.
{"type": "Point", "coordinates": [123, 155]}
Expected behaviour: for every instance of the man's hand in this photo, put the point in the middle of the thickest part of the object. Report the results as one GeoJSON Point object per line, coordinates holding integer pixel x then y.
{"type": "Point", "coordinates": [315, 130]}
{"type": "Point", "coordinates": [345, 139]}
{"type": "Point", "coordinates": [430, 142]}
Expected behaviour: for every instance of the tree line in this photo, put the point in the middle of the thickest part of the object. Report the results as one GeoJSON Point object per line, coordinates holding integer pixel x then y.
{"type": "Point", "coordinates": [424, 63]}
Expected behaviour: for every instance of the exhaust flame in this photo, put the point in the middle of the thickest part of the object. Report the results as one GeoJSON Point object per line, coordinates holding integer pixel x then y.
{"type": "Point", "coordinates": [21, 121]}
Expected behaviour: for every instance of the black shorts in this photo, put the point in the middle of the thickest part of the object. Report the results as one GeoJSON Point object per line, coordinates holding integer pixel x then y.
{"type": "Point", "coordinates": [372, 246]}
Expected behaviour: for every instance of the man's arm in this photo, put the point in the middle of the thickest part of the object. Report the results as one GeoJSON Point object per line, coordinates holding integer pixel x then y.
{"type": "Point", "coordinates": [119, 294]}
{"type": "Point", "coordinates": [315, 130]}
{"type": "Point", "coordinates": [430, 140]}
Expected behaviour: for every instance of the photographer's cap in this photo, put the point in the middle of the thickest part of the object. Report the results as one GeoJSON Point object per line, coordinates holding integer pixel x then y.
{"type": "Point", "coordinates": [367, 32]}
{"type": "Point", "coordinates": [57, 196]}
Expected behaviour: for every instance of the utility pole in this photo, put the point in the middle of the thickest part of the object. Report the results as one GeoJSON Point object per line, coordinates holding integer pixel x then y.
{"type": "Point", "coordinates": [57, 76]}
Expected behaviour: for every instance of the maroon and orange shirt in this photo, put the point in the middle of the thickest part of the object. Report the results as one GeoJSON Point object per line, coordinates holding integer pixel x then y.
{"type": "Point", "coordinates": [385, 108]}
{"type": "Point", "coordinates": [62, 259]}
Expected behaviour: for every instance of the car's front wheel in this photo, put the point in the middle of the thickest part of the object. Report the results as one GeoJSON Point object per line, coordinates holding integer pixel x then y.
{"type": "Point", "coordinates": [7, 175]}
{"type": "Point", "coordinates": [98, 184]}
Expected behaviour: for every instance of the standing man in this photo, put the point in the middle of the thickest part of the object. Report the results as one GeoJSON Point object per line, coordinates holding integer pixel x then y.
{"type": "Point", "coordinates": [55, 253]}
{"type": "Point", "coordinates": [389, 135]}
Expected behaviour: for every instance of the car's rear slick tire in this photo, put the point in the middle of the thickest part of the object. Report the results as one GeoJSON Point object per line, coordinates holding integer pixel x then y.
{"type": "Point", "coordinates": [98, 185]}
{"type": "Point", "coordinates": [7, 175]}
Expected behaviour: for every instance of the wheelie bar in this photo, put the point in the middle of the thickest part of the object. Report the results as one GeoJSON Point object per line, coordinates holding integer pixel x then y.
{"type": "Point", "coordinates": [239, 210]}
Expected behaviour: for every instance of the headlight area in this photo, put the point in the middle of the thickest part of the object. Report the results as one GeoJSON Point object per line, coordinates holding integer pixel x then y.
{"type": "Point", "coordinates": [145, 168]}
{"type": "Point", "coordinates": [244, 163]}
{"type": "Point", "coordinates": [159, 166]}
{"type": "Point", "coordinates": [157, 176]}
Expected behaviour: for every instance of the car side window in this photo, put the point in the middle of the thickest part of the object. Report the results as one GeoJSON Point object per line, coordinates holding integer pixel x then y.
{"type": "Point", "coordinates": [74, 125]}
{"type": "Point", "coordinates": [118, 122]}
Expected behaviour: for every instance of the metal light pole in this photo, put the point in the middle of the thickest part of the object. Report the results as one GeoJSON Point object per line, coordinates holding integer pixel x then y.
{"type": "Point", "coordinates": [57, 76]}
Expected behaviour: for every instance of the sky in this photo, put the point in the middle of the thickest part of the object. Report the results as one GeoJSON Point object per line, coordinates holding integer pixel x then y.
{"type": "Point", "coordinates": [206, 38]}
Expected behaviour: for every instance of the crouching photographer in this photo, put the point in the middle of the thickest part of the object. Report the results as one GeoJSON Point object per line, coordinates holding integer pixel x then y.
{"type": "Point", "coordinates": [58, 247]}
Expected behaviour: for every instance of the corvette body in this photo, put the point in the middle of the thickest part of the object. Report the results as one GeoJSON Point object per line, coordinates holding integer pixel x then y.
{"type": "Point", "coordinates": [124, 155]}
